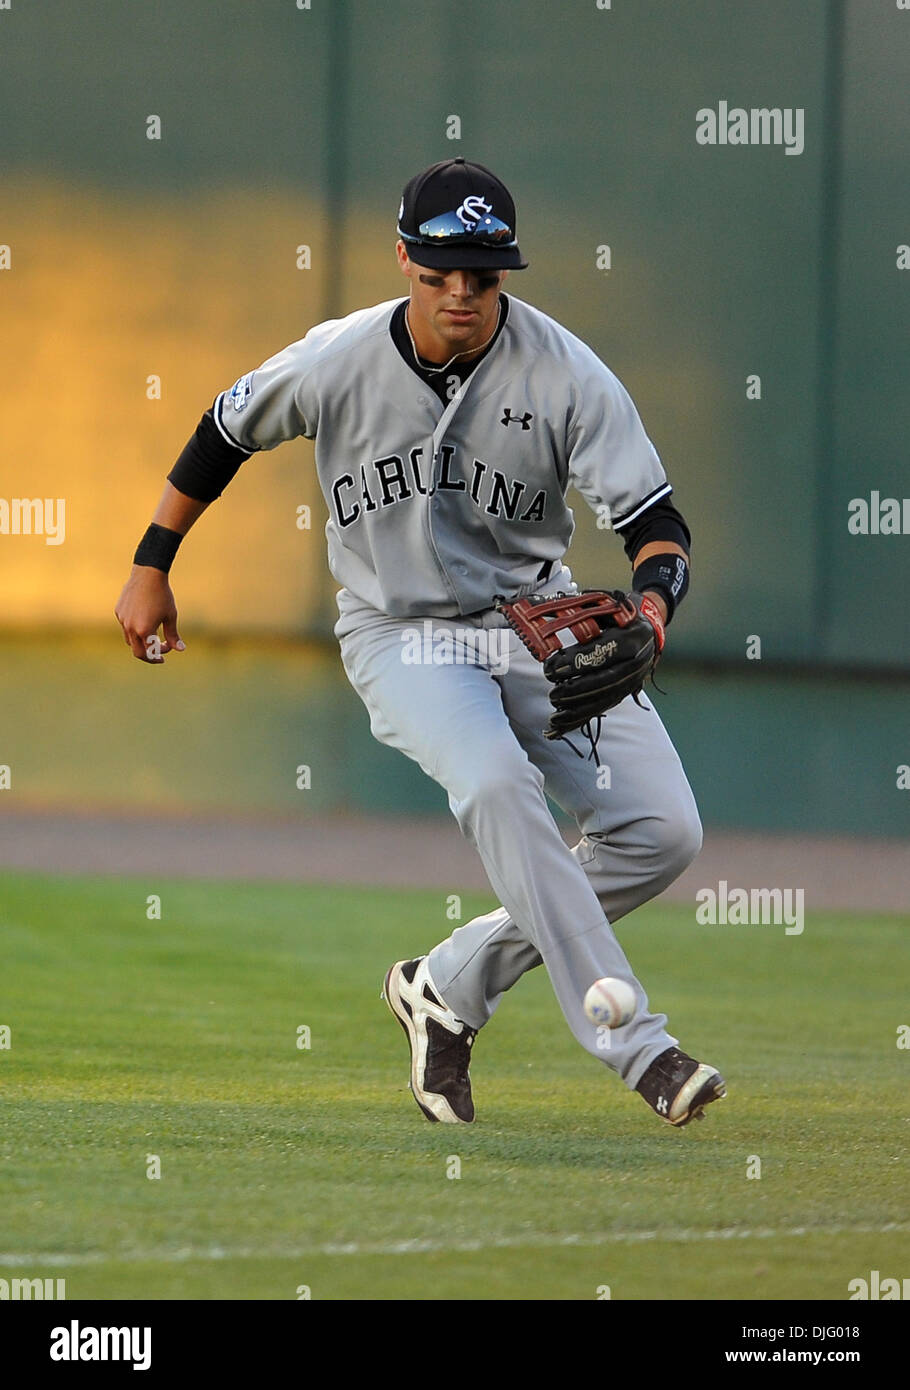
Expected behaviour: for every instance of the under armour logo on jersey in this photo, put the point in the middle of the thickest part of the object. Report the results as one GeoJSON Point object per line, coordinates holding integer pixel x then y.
{"type": "Point", "coordinates": [510, 419]}
{"type": "Point", "coordinates": [471, 211]}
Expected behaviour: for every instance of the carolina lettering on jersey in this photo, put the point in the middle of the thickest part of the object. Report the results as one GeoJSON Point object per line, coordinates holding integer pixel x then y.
{"type": "Point", "coordinates": [436, 506]}
{"type": "Point", "coordinates": [396, 480]}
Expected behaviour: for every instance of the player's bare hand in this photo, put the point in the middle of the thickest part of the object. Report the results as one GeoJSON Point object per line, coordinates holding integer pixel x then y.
{"type": "Point", "coordinates": [145, 605]}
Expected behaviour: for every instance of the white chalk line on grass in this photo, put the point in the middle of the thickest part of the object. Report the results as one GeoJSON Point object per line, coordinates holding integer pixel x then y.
{"type": "Point", "coordinates": [447, 1247]}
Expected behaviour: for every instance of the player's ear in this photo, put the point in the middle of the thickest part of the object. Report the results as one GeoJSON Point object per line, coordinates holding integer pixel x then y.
{"type": "Point", "coordinates": [404, 263]}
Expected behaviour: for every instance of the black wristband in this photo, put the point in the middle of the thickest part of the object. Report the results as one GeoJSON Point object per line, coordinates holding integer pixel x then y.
{"type": "Point", "coordinates": [158, 548]}
{"type": "Point", "coordinates": [668, 574]}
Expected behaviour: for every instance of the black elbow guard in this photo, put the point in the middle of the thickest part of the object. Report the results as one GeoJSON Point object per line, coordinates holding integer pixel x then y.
{"type": "Point", "coordinates": [207, 463]}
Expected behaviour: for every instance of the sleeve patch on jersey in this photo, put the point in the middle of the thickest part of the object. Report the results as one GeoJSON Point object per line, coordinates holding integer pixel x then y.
{"type": "Point", "coordinates": [217, 407]}
{"type": "Point", "coordinates": [241, 391]}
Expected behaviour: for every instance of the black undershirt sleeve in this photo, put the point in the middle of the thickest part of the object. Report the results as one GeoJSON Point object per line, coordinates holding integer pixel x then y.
{"type": "Point", "coordinates": [207, 463]}
{"type": "Point", "coordinates": [662, 522]}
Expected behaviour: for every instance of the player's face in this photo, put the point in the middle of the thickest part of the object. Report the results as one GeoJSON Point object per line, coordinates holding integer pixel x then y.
{"type": "Point", "coordinates": [451, 310]}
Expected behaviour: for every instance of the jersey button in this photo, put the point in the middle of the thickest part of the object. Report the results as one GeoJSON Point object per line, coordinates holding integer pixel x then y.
{"type": "Point", "coordinates": [461, 569]}
{"type": "Point", "coordinates": [423, 400]}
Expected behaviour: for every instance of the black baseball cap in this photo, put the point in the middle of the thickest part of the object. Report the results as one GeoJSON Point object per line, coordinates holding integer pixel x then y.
{"type": "Point", "coordinates": [459, 216]}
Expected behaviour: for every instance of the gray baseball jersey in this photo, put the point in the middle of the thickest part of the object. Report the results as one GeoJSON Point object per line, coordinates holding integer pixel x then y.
{"type": "Point", "coordinates": [434, 508]}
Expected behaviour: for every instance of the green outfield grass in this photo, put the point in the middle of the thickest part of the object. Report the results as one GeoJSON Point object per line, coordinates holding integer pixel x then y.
{"type": "Point", "coordinates": [283, 1167]}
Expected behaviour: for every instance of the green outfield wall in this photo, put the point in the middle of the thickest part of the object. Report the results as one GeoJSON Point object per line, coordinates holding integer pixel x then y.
{"type": "Point", "coordinates": [190, 184]}
{"type": "Point", "coordinates": [272, 727]}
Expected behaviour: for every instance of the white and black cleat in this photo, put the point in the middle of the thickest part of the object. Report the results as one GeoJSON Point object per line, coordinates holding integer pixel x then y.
{"type": "Point", "coordinates": [678, 1088]}
{"type": "Point", "coordinates": [440, 1043]}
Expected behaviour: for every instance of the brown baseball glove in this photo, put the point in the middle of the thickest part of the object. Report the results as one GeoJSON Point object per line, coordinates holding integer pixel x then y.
{"type": "Point", "coordinates": [596, 646]}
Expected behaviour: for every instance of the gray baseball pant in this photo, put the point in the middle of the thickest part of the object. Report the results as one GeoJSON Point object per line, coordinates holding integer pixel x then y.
{"type": "Point", "coordinates": [476, 729]}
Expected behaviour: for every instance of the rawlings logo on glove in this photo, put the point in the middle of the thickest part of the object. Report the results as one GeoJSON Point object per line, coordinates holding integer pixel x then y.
{"type": "Point", "coordinates": [589, 675]}
{"type": "Point", "coordinates": [599, 653]}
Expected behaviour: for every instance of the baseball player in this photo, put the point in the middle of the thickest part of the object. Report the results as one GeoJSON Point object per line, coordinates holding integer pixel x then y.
{"type": "Point", "coordinates": [449, 426]}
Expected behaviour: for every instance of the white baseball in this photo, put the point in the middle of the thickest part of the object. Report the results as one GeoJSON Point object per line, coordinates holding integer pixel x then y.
{"type": "Point", "coordinates": [610, 1003]}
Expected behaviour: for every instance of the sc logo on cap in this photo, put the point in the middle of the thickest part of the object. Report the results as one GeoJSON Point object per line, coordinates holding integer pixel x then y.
{"type": "Point", "coordinates": [471, 211]}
